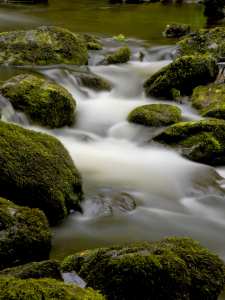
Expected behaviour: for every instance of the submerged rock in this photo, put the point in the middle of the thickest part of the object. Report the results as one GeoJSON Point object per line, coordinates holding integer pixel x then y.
{"type": "Point", "coordinates": [93, 81]}
{"type": "Point", "coordinates": [175, 268]}
{"type": "Point", "coordinates": [155, 115]}
{"type": "Point", "coordinates": [24, 235]}
{"type": "Point", "coordinates": [183, 74]}
{"type": "Point", "coordinates": [210, 100]}
{"type": "Point", "coordinates": [44, 104]}
{"type": "Point", "coordinates": [200, 141]}
{"type": "Point", "coordinates": [119, 57]}
{"type": "Point", "coordinates": [36, 170]}
{"type": "Point", "coordinates": [176, 30]}
{"type": "Point", "coordinates": [45, 289]}
{"type": "Point", "coordinates": [42, 46]}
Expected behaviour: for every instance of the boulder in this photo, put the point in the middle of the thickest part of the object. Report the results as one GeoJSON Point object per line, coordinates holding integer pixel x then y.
{"type": "Point", "coordinates": [119, 57]}
{"type": "Point", "coordinates": [155, 115]}
{"type": "Point", "coordinates": [176, 30]}
{"type": "Point", "coordinates": [44, 289]}
{"type": "Point", "coordinates": [210, 100]}
{"type": "Point", "coordinates": [42, 46]}
{"type": "Point", "coordinates": [43, 269]}
{"type": "Point", "coordinates": [36, 170]}
{"type": "Point", "coordinates": [175, 268]}
{"type": "Point", "coordinates": [183, 74]}
{"type": "Point", "coordinates": [93, 46]}
{"type": "Point", "coordinates": [214, 8]}
{"type": "Point", "coordinates": [89, 38]}
{"type": "Point", "coordinates": [24, 235]}
{"type": "Point", "coordinates": [43, 103]}
{"type": "Point", "coordinates": [92, 81]}
{"type": "Point", "coordinates": [200, 141]}
{"type": "Point", "coordinates": [210, 42]}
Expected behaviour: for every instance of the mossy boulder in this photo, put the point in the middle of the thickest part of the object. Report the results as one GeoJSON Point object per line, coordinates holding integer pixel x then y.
{"type": "Point", "coordinates": [43, 269]}
{"type": "Point", "coordinates": [175, 268]}
{"type": "Point", "coordinates": [200, 141]}
{"type": "Point", "coordinates": [155, 115]}
{"type": "Point", "coordinates": [24, 235]}
{"type": "Point", "coordinates": [183, 74]}
{"type": "Point", "coordinates": [93, 81]}
{"type": "Point", "coordinates": [210, 42]}
{"type": "Point", "coordinates": [210, 100]}
{"type": "Point", "coordinates": [36, 170]}
{"type": "Point", "coordinates": [119, 57]}
{"type": "Point", "coordinates": [176, 30]}
{"type": "Point", "coordinates": [44, 104]}
{"type": "Point", "coordinates": [93, 46]}
{"type": "Point", "coordinates": [44, 289]}
{"type": "Point", "coordinates": [42, 46]}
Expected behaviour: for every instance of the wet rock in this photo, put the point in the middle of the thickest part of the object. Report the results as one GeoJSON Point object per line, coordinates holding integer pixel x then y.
{"type": "Point", "coordinates": [44, 104]}
{"type": "Point", "coordinates": [44, 289]}
{"type": "Point", "coordinates": [24, 237]}
{"type": "Point", "coordinates": [200, 141]}
{"type": "Point", "coordinates": [183, 74]}
{"type": "Point", "coordinates": [175, 268]}
{"type": "Point", "coordinates": [176, 30]}
{"type": "Point", "coordinates": [119, 57]}
{"type": "Point", "coordinates": [37, 171]}
{"type": "Point", "coordinates": [214, 8]}
{"type": "Point", "coordinates": [155, 115]}
{"type": "Point", "coordinates": [89, 38]}
{"type": "Point", "coordinates": [92, 81]}
{"type": "Point", "coordinates": [93, 46]}
{"type": "Point", "coordinates": [43, 269]}
{"type": "Point", "coordinates": [42, 46]}
{"type": "Point", "coordinates": [73, 278]}
{"type": "Point", "coordinates": [210, 100]}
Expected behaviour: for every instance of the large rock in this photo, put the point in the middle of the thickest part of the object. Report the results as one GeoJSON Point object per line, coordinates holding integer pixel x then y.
{"type": "Point", "coordinates": [93, 81]}
{"type": "Point", "coordinates": [44, 289]}
{"type": "Point", "coordinates": [183, 74]}
{"type": "Point", "coordinates": [210, 42]}
{"type": "Point", "coordinates": [44, 104]}
{"type": "Point", "coordinates": [175, 268]}
{"type": "Point", "coordinates": [42, 46]}
{"type": "Point", "coordinates": [155, 115]}
{"type": "Point", "coordinates": [214, 8]}
{"type": "Point", "coordinates": [119, 57]}
{"type": "Point", "coordinates": [210, 100]}
{"type": "Point", "coordinates": [201, 141]}
{"type": "Point", "coordinates": [24, 235]}
{"type": "Point", "coordinates": [176, 30]}
{"type": "Point", "coordinates": [36, 170]}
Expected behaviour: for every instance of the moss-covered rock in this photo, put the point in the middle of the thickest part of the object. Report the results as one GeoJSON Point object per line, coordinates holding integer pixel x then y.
{"type": "Point", "coordinates": [201, 141]}
{"type": "Point", "coordinates": [44, 289]}
{"type": "Point", "coordinates": [36, 170]}
{"type": "Point", "coordinates": [175, 268]}
{"type": "Point", "coordinates": [176, 30]}
{"type": "Point", "coordinates": [119, 57]}
{"type": "Point", "coordinates": [92, 81]}
{"type": "Point", "coordinates": [93, 46]}
{"type": "Point", "coordinates": [210, 42]}
{"type": "Point", "coordinates": [210, 100]}
{"type": "Point", "coordinates": [24, 234]}
{"type": "Point", "coordinates": [155, 115]}
{"type": "Point", "coordinates": [44, 104]}
{"type": "Point", "coordinates": [0, 115]}
{"type": "Point", "coordinates": [43, 46]}
{"type": "Point", "coordinates": [89, 38]}
{"type": "Point", "coordinates": [183, 74]}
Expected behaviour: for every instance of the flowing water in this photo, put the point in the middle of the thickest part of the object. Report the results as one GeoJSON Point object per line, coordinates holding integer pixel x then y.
{"type": "Point", "coordinates": [174, 196]}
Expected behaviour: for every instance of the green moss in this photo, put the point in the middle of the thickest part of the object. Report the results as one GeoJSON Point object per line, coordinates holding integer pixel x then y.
{"type": "Point", "coordinates": [43, 103]}
{"type": "Point", "coordinates": [176, 30]}
{"type": "Point", "coordinates": [93, 81]}
{"type": "Point", "coordinates": [121, 56]}
{"type": "Point", "coordinates": [183, 74]}
{"type": "Point", "coordinates": [24, 235]}
{"type": "Point", "coordinates": [0, 115]}
{"type": "Point", "coordinates": [201, 141]}
{"type": "Point", "coordinates": [155, 115]}
{"type": "Point", "coordinates": [37, 171]}
{"type": "Point", "coordinates": [175, 268]}
{"type": "Point", "coordinates": [89, 38]}
{"type": "Point", "coordinates": [176, 96]}
{"type": "Point", "coordinates": [43, 46]}
{"type": "Point", "coordinates": [93, 46]}
{"type": "Point", "coordinates": [44, 289]}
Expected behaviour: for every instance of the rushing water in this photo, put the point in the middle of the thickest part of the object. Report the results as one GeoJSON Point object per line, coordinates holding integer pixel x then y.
{"type": "Point", "coordinates": [174, 196]}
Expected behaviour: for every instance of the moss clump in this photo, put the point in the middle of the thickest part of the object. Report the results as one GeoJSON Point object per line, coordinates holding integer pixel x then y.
{"type": "Point", "coordinates": [43, 103]}
{"type": "Point", "coordinates": [24, 235]}
{"type": "Point", "coordinates": [36, 170]}
{"type": "Point", "coordinates": [44, 289]}
{"type": "Point", "coordinates": [176, 30]}
{"type": "Point", "coordinates": [200, 141]}
{"type": "Point", "coordinates": [208, 42]}
{"type": "Point", "coordinates": [43, 46]}
{"type": "Point", "coordinates": [119, 57]}
{"type": "Point", "coordinates": [155, 115]}
{"type": "Point", "coordinates": [93, 46]}
{"type": "Point", "coordinates": [43, 269]}
{"type": "Point", "coordinates": [175, 268]}
{"type": "Point", "coordinates": [0, 115]}
{"type": "Point", "coordinates": [183, 74]}
{"type": "Point", "coordinates": [93, 81]}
